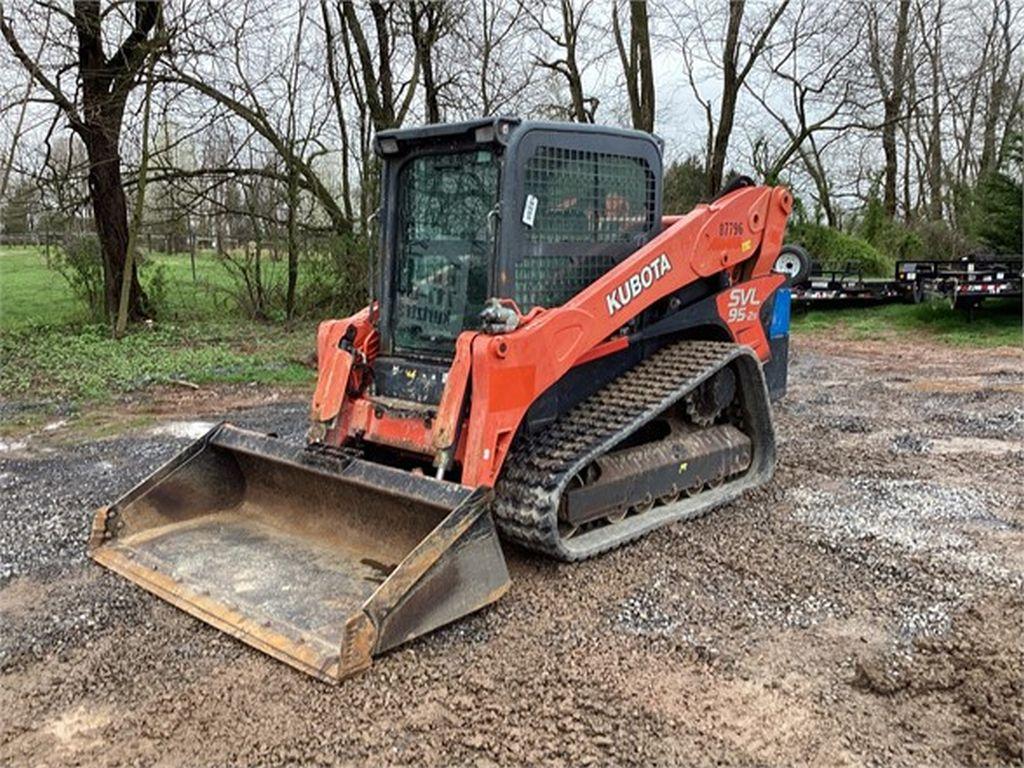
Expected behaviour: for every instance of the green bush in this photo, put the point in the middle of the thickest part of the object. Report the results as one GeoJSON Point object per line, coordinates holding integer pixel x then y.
{"type": "Point", "coordinates": [685, 185]}
{"type": "Point", "coordinates": [335, 277]}
{"type": "Point", "coordinates": [890, 237]}
{"type": "Point", "coordinates": [80, 263]}
{"type": "Point", "coordinates": [833, 249]}
{"type": "Point", "coordinates": [155, 284]}
{"type": "Point", "coordinates": [994, 216]}
{"type": "Point", "coordinates": [940, 241]}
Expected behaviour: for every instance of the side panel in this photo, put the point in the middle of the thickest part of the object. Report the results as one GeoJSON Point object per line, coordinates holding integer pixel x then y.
{"type": "Point", "coordinates": [776, 370]}
{"type": "Point", "coordinates": [740, 307]}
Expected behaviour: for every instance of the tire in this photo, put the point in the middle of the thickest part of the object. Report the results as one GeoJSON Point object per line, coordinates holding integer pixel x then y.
{"type": "Point", "coordinates": [793, 262]}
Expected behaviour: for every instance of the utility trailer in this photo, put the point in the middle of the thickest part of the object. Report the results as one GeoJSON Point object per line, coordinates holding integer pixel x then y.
{"type": "Point", "coordinates": [848, 287]}
{"type": "Point", "coordinates": [966, 282]}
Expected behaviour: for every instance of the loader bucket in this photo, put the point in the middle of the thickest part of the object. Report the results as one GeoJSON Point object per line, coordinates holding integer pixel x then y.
{"type": "Point", "coordinates": [320, 559]}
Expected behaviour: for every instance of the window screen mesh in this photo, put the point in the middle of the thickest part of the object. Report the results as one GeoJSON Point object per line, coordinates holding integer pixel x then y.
{"type": "Point", "coordinates": [591, 210]}
{"type": "Point", "coordinates": [444, 247]}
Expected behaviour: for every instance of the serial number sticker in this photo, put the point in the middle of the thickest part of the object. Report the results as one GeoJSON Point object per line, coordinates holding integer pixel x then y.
{"type": "Point", "coordinates": [530, 210]}
{"type": "Point", "coordinates": [746, 245]}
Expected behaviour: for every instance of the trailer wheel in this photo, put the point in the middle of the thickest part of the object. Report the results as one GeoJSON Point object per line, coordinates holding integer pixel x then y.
{"type": "Point", "coordinates": [793, 262]}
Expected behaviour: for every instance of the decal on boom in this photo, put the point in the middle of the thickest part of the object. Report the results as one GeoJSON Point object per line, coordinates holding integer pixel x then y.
{"type": "Point", "coordinates": [637, 283]}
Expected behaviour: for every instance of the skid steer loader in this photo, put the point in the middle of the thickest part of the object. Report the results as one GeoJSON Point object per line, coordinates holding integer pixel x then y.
{"type": "Point", "coordinates": [543, 355]}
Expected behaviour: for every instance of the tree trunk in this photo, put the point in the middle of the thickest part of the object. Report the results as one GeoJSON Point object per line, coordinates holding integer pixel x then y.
{"type": "Point", "coordinates": [429, 87]}
{"type": "Point", "coordinates": [573, 76]}
{"type": "Point", "coordinates": [642, 46]}
{"type": "Point", "coordinates": [636, 64]}
{"type": "Point", "coordinates": [815, 168]}
{"type": "Point", "coordinates": [124, 294]}
{"type": "Point", "coordinates": [337, 96]}
{"type": "Point", "coordinates": [730, 92]}
{"type": "Point", "coordinates": [424, 19]}
{"type": "Point", "coordinates": [1004, 55]}
{"type": "Point", "coordinates": [891, 159]}
{"type": "Point", "coordinates": [935, 126]}
{"type": "Point", "coordinates": [893, 107]}
{"type": "Point", "coordinates": [293, 246]}
{"type": "Point", "coordinates": [110, 212]}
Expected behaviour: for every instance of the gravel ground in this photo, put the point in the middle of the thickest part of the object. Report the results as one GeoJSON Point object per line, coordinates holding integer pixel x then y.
{"type": "Point", "coordinates": [865, 608]}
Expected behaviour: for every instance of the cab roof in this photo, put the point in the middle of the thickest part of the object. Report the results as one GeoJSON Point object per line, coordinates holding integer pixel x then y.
{"type": "Point", "coordinates": [483, 130]}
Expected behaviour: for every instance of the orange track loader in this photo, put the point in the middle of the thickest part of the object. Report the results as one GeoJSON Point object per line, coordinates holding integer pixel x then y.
{"type": "Point", "coordinates": [543, 355]}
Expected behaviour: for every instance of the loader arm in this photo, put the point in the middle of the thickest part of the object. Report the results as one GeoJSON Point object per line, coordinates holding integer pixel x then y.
{"type": "Point", "coordinates": [739, 234]}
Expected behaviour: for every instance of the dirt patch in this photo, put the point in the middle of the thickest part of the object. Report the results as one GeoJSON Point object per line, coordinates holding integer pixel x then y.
{"type": "Point", "coordinates": [864, 608]}
{"type": "Point", "coordinates": [970, 670]}
{"type": "Point", "coordinates": [78, 729]}
{"type": "Point", "coordinates": [20, 595]}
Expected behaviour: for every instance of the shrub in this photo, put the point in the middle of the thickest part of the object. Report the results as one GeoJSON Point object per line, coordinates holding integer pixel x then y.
{"type": "Point", "coordinates": [256, 276]}
{"type": "Point", "coordinates": [833, 249]}
{"type": "Point", "coordinates": [80, 263]}
{"type": "Point", "coordinates": [155, 283]}
{"type": "Point", "coordinates": [685, 185]}
{"type": "Point", "coordinates": [940, 241]}
{"type": "Point", "coordinates": [334, 280]}
{"type": "Point", "coordinates": [890, 237]}
{"type": "Point", "coordinates": [994, 215]}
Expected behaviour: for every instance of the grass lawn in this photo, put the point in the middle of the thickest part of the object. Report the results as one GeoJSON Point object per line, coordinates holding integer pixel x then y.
{"type": "Point", "coordinates": [995, 323]}
{"type": "Point", "coordinates": [30, 293]}
{"type": "Point", "coordinates": [84, 362]}
{"type": "Point", "coordinates": [49, 349]}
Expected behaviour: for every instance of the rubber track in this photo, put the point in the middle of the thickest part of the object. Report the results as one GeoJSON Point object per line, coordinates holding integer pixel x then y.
{"type": "Point", "coordinates": [539, 467]}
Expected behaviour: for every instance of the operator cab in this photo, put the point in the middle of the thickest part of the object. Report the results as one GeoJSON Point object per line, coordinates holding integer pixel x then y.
{"type": "Point", "coordinates": [498, 207]}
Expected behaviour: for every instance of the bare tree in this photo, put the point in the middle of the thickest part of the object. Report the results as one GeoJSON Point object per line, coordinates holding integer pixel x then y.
{"type": "Point", "coordinates": [382, 82]}
{"type": "Point", "coordinates": [22, 106]}
{"type": "Point", "coordinates": [1004, 48]}
{"type": "Point", "coordinates": [636, 63]}
{"type": "Point", "coordinates": [735, 55]}
{"type": "Point", "coordinates": [293, 139]}
{"type": "Point", "coordinates": [387, 103]}
{"type": "Point", "coordinates": [138, 208]}
{"type": "Point", "coordinates": [931, 39]}
{"type": "Point", "coordinates": [429, 21]}
{"type": "Point", "coordinates": [338, 102]}
{"type": "Point", "coordinates": [264, 98]}
{"type": "Point", "coordinates": [489, 53]}
{"type": "Point", "coordinates": [566, 61]}
{"type": "Point", "coordinates": [813, 58]}
{"type": "Point", "coordinates": [890, 73]}
{"type": "Point", "coordinates": [95, 112]}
